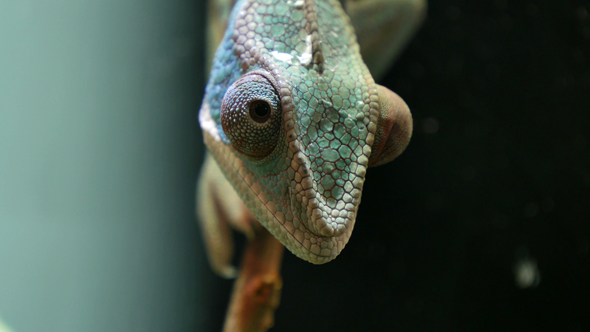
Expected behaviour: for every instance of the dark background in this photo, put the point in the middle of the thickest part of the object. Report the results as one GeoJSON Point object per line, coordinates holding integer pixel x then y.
{"type": "Point", "coordinates": [497, 174]}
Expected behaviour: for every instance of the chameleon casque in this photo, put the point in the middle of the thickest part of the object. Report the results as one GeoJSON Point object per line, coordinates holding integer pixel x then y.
{"type": "Point", "coordinates": [292, 118]}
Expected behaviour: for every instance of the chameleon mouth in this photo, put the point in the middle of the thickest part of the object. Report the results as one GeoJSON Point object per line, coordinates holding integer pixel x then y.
{"type": "Point", "coordinates": [329, 222]}
{"type": "Point", "coordinates": [328, 202]}
{"type": "Point", "coordinates": [321, 221]}
{"type": "Point", "coordinates": [324, 226]}
{"type": "Point", "coordinates": [327, 217]}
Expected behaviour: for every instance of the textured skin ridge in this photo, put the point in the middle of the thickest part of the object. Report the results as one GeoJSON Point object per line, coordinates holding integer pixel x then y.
{"type": "Point", "coordinates": [307, 191]}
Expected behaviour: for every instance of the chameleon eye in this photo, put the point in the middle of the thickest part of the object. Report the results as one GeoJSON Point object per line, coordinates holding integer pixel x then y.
{"type": "Point", "coordinates": [259, 111]}
{"type": "Point", "coordinates": [394, 128]}
{"type": "Point", "coordinates": [251, 115]}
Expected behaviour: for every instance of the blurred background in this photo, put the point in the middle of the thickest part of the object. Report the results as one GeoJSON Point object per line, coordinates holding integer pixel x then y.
{"type": "Point", "coordinates": [99, 154]}
{"type": "Point", "coordinates": [483, 224]}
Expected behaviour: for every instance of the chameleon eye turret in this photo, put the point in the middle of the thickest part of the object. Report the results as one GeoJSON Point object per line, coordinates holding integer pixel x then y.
{"type": "Point", "coordinates": [394, 128]}
{"type": "Point", "coordinates": [251, 115]}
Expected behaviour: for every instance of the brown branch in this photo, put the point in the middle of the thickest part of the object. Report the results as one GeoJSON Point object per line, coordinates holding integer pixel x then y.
{"type": "Point", "coordinates": [257, 290]}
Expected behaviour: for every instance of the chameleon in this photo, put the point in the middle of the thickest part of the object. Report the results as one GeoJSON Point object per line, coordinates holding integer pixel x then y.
{"type": "Point", "coordinates": [292, 119]}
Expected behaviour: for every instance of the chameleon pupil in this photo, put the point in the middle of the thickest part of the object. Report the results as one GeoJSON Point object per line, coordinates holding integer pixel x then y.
{"type": "Point", "coordinates": [259, 111]}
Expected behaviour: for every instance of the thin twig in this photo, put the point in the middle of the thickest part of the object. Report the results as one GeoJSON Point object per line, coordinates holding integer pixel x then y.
{"type": "Point", "coordinates": [257, 290]}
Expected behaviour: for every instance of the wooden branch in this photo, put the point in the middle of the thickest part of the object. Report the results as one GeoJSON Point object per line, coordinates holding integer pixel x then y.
{"type": "Point", "coordinates": [257, 290]}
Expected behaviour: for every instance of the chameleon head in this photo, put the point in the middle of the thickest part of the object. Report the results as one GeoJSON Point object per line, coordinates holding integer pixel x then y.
{"type": "Point", "coordinates": [299, 124]}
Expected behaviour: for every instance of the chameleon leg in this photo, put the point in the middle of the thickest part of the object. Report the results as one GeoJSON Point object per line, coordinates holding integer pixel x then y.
{"type": "Point", "coordinates": [218, 209]}
{"type": "Point", "coordinates": [384, 28]}
{"type": "Point", "coordinates": [257, 291]}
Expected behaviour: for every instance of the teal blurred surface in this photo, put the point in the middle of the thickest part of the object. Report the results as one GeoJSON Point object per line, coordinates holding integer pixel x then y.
{"type": "Point", "coordinates": [98, 158]}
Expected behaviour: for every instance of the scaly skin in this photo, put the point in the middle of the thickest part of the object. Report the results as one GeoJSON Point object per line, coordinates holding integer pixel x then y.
{"type": "Point", "coordinates": [300, 166]}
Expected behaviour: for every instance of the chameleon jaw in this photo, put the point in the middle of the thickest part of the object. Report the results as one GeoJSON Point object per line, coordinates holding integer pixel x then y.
{"type": "Point", "coordinates": [305, 242]}
{"type": "Point", "coordinates": [316, 233]}
{"type": "Point", "coordinates": [322, 224]}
